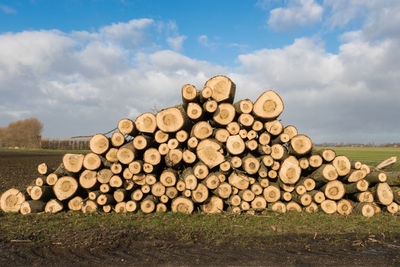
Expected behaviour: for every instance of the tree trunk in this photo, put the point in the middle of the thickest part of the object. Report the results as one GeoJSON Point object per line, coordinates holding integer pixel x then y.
{"type": "Point", "coordinates": [365, 209]}
{"type": "Point", "coordinates": [126, 127]}
{"type": "Point", "coordinates": [43, 193]}
{"type": "Point", "coordinates": [244, 106]}
{"type": "Point", "coordinates": [117, 139]}
{"type": "Point", "coordinates": [383, 193]}
{"type": "Point", "coordinates": [278, 207]}
{"type": "Point", "coordinates": [152, 156]}
{"type": "Point", "coordinates": [239, 180]}
{"type": "Point", "coordinates": [268, 106]}
{"type": "Point", "coordinates": [11, 200]}
{"type": "Point", "coordinates": [127, 153]}
{"type": "Point", "coordinates": [324, 174]}
{"type": "Point", "coordinates": [189, 94]}
{"type": "Point", "coordinates": [293, 206]}
{"type": "Point", "coordinates": [146, 123]}
{"type": "Point", "coordinates": [386, 163]}
{"type": "Point", "coordinates": [200, 194]}
{"type": "Point", "coordinates": [224, 190]}
{"type": "Point", "coordinates": [272, 193]}
{"type": "Point", "coordinates": [32, 206]}
{"type": "Point", "coordinates": [43, 169]}
{"type": "Point", "coordinates": [171, 120]}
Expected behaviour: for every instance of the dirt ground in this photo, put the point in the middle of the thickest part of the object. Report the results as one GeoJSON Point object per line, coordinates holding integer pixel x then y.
{"type": "Point", "coordinates": [128, 246]}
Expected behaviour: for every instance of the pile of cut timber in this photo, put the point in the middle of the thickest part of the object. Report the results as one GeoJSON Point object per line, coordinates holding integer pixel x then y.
{"type": "Point", "coordinates": [208, 154]}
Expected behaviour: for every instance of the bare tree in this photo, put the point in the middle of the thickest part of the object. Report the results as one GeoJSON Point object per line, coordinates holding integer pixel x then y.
{"type": "Point", "coordinates": [22, 133]}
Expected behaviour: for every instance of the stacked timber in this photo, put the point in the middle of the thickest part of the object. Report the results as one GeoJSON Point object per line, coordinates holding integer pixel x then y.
{"type": "Point", "coordinates": [208, 154]}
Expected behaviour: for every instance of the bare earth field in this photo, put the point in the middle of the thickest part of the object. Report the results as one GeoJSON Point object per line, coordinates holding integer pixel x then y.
{"type": "Point", "coordinates": [169, 239]}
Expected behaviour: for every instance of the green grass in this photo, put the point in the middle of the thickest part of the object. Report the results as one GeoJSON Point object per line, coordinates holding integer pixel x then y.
{"type": "Point", "coordinates": [370, 155]}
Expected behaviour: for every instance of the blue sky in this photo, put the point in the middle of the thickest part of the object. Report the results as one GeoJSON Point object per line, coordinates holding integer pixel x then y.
{"type": "Point", "coordinates": [334, 62]}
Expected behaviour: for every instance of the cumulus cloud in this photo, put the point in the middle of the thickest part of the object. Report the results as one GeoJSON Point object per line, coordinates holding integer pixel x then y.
{"type": "Point", "coordinates": [176, 42]}
{"type": "Point", "coordinates": [298, 13]}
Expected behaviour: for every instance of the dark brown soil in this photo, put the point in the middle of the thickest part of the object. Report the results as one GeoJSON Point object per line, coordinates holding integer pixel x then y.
{"type": "Point", "coordinates": [128, 246]}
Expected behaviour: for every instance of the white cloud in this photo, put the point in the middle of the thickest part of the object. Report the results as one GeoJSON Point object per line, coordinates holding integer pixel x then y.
{"type": "Point", "coordinates": [176, 42]}
{"type": "Point", "coordinates": [298, 13]}
{"type": "Point", "coordinates": [7, 9]}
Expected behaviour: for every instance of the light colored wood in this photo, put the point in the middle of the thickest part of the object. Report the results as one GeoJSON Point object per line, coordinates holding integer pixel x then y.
{"type": "Point", "coordinates": [104, 176]}
{"type": "Point", "coordinates": [342, 165]}
{"type": "Point", "coordinates": [286, 196]}
{"type": "Point", "coordinates": [51, 179]}
{"type": "Point", "coordinates": [318, 196]}
{"type": "Point", "coordinates": [236, 162]}
{"type": "Point", "coordinates": [146, 123]}
{"type": "Point", "coordinates": [356, 164]}
{"type": "Point", "coordinates": [324, 174]}
{"type": "Point", "coordinates": [213, 205]}
{"type": "Point", "coordinates": [117, 139]}
{"type": "Point", "coordinates": [65, 187]}
{"type": "Point", "coordinates": [383, 194]}
{"type": "Point", "coordinates": [278, 207]}
{"type": "Point", "coordinates": [148, 168]}
{"type": "Point", "coordinates": [392, 208]}
{"type": "Point", "coordinates": [257, 126]}
{"type": "Point", "coordinates": [200, 170]}
{"type": "Point", "coordinates": [315, 161]}
{"type": "Point", "coordinates": [73, 162]}
{"type": "Point", "coordinates": [268, 106]}
{"type": "Point", "coordinates": [210, 106]}
{"type": "Point", "coordinates": [161, 137]}
{"type": "Point", "coordinates": [180, 186]}
{"type": "Point", "coordinates": [171, 192]}
{"type": "Point", "coordinates": [274, 127]}
{"type": "Point", "coordinates": [205, 94]}
{"type": "Point", "coordinates": [43, 193]}
{"type": "Point", "coordinates": [224, 190]}
{"type": "Point", "coordinates": [246, 120]}
{"type": "Point", "coordinates": [116, 168]}
{"type": "Point", "coordinates": [365, 209]}
{"type": "Point", "coordinates": [293, 206]}
{"type": "Point", "coordinates": [200, 194]}
{"type": "Point", "coordinates": [258, 203]}
{"type": "Point", "coordinates": [173, 158]}
{"type": "Point", "coordinates": [290, 170]}
{"type": "Point", "coordinates": [107, 208]}
{"type": "Point", "coordinates": [262, 171]}
{"type": "Point", "coordinates": [53, 206]}
{"type": "Point", "coordinates": [244, 205]}
{"type": "Point", "coordinates": [92, 195]}
{"type": "Point", "coordinates": [127, 153]}
{"type": "Point", "coordinates": [148, 205]}
{"type": "Point", "coordinates": [278, 152]}
{"type": "Point", "coordinates": [202, 130]}
{"type": "Point", "coordinates": [39, 181]}
{"type": "Point", "coordinates": [120, 207]}
{"type": "Point", "coordinates": [126, 127]}
{"type": "Point", "coordinates": [312, 208]}
{"type": "Point", "coordinates": [181, 136]}
{"type": "Point", "coordinates": [268, 161]}
{"type": "Point", "coordinates": [99, 144]}
{"type": "Point", "coordinates": [328, 206]}
{"type": "Point", "coordinates": [291, 131]}
{"type": "Point", "coordinates": [194, 111]}
{"type": "Point", "coordinates": [223, 89]}
{"type": "Point", "coordinates": [363, 196]}
{"type": "Point", "coordinates": [137, 195]}
{"type": "Point", "coordinates": [188, 156]}
{"type": "Point", "coordinates": [386, 163]}
{"type": "Point", "coordinates": [171, 119]}
{"type": "Point", "coordinates": [375, 177]}
{"type": "Point", "coordinates": [105, 199]}
{"type": "Point", "coordinates": [173, 143]}
{"type": "Point", "coordinates": [239, 180]}
{"type": "Point", "coordinates": [111, 155]}
{"type": "Point", "coordinates": [163, 149]}
{"type": "Point", "coordinates": [304, 199]}
{"type": "Point", "coordinates": [243, 106]}
{"type": "Point", "coordinates": [211, 181]}
{"type": "Point", "coordinates": [234, 200]}
{"type": "Point", "coordinates": [355, 175]}
{"type": "Point", "coordinates": [116, 181]}
{"type": "Point", "coordinates": [251, 145]}
{"type": "Point", "coordinates": [246, 195]}
{"type": "Point", "coordinates": [129, 184]}
{"type": "Point", "coordinates": [11, 200]}
{"type": "Point", "coordinates": [334, 190]}
{"type": "Point", "coordinates": [251, 164]}
{"type": "Point", "coordinates": [145, 188]}
{"type": "Point", "coordinates": [189, 178]}
{"type": "Point", "coordinates": [235, 145]}
{"type": "Point", "coordinates": [300, 189]}
{"type": "Point", "coordinates": [141, 142]}
{"type": "Point", "coordinates": [152, 156]}
{"type": "Point", "coordinates": [304, 163]}
{"type": "Point", "coordinates": [359, 186]}
{"type": "Point", "coordinates": [209, 151]}
{"type": "Point", "coordinates": [308, 183]}
{"type": "Point", "coordinates": [91, 161]}
{"type": "Point", "coordinates": [131, 206]}
{"type": "Point", "coordinates": [43, 169]}
{"type": "Point", "coordinates": [344, 207]}
{"type": "Point", "coordinates": [168, 177]}
{"type": "Point", "coordinates": [224, 114]}
{"type": "Point", "coordinates": [327, 154]}
{"type": "Point", "coordinates": [272, 174]}
{"type": "Point", "coordinates": [272, 193]}
{"type": "Point", "coordinates": [161, 207]}
{"type": "Point", "coordinates": [189, 93]}
{"type": "Point", "coordinates": [89, 206]}
{"type": "Point", "coordinates": [192, 143]}
{"type": "Point", "coordinates": [182, 204]}
{"type": "Point", "coordinates": [300, 145]}
{"type": "Point", "coordinates": [221, 135]}
{"type": "Point", "coordinates": [32, 206]}
{"type": "Point", "coordinates": [120, 195]}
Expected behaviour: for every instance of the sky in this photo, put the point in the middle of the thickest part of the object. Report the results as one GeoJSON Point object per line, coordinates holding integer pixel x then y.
{"type": "Point", "coordinates": [80, 66]}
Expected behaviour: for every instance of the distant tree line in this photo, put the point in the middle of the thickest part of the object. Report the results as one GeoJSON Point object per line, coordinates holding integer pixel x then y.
{"type": "Point", "coordinates": [23, 133]}
{"type": "Point", "coordinates": [27, 134]}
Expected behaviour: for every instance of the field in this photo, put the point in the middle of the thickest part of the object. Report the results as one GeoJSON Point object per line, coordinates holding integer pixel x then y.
{"type": "Point", "coordinates": [170, 239]}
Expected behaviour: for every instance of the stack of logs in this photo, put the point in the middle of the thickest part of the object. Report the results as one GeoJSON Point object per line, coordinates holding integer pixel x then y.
{"type": "Point", "coordinates": [208, 154]}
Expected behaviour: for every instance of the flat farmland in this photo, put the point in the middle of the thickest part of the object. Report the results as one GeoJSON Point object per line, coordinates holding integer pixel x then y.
{"type": "Point", "coordinates": [71, 238]}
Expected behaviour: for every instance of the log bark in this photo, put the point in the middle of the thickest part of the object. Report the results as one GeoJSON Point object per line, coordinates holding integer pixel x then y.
{"type": "Point", "coordinates": [376, 177]}
{"type": "Point", "coordinates": [32, 206]}
{"type": "Point", "coordinates": [43, 193]}
{"type": "Point", "coordinates": [386, 163]}
{"type": "Point", "coordinates": [365, 209]}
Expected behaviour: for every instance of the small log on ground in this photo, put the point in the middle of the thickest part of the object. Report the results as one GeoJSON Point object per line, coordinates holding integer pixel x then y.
{"type": "Point", "coordinates": [32, 206]}
{"type": "Point", "coordinates": [53, 206]}
{"type": "Point", "coordinates": [11, 200]}
{"type": "Point", "coordinates": [182, 204]}
{"type": "Point", "coordinates": [213, 205]}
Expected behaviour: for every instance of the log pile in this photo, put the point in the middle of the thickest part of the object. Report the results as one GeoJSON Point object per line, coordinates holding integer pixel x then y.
{"type": "Point", "coordinates": [208, 154]}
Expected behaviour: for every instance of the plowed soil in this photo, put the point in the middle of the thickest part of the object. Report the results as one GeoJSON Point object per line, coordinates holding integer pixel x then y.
{"type": "Point", "coordinates": [128, 246]}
